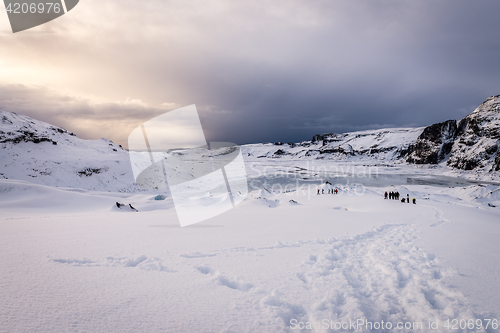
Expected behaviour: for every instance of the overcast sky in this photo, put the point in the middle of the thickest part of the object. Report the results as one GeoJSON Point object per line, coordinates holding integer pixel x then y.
{"type": "Point", "coordinates": [257, 70]}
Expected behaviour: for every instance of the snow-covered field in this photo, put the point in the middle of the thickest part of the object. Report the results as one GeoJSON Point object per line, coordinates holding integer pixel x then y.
{"type": "Point", "coordinates": [283, 259]}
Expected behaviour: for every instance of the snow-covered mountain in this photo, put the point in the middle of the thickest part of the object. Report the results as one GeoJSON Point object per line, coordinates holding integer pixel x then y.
{"type": "Point", "coordinates": [384, 144]}
{"type": "Point", "coordinates": [41, 153]}
{"type": "Point", "coordinates": [469, 144]}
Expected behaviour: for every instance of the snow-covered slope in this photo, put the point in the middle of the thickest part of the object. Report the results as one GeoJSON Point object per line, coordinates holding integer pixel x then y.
{"type": "Point", "coordinates": [470, 144]}
{"type": "Point", "coordinates": [384, 144]}
{"type": "Point", "coordinates": [71, 263]}
{"type": "Point", "coordinates": [41, 153]}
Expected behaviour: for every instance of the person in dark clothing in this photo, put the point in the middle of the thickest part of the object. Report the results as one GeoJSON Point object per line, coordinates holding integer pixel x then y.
{"type": "Point", "coordinates": [403, 200]}
{"type": "Point", "coordinates": [385, 195]}
{"type": "Point", "coordinates": [414, 201]}
{"type": "Point", "coordinates": [397, 195]}
{"type": "Point", "coordinates": [318, 190]}
{"type": "Point", "coordinates": [408, 198]}
{"type": "Point", "coordinates": [323, 191]}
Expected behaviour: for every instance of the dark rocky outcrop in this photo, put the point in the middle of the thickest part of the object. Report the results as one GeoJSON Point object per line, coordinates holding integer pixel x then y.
{"type": "Point", "coordinates": [345, 149]}
{"type": "Point", "coordinates": [24, 136]}
{"type": "Point", "coordinates": [470, 144]}
{"type": "Point", "coordinates": [479, 138]}
{"type": "Point", "coordinates": [434, 144]}
{"type": "Point", "coordinates": [91, 171]}
{"type": "Point", "coordinates": [280, 152]}
{"type": "Point", "coordinates": [319, 137]}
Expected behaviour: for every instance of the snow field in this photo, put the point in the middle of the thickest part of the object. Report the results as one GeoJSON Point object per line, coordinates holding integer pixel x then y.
{"type": "Point", "coordinates": [72, 263]}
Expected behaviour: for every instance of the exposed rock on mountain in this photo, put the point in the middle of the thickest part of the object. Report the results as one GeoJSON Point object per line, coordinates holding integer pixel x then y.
{"type": "Point", "coordinates": [471, 144]}
{"type": "Point", "coordinates": [479, 140]}
{"type": "Point", "coordinates": [434, 144]}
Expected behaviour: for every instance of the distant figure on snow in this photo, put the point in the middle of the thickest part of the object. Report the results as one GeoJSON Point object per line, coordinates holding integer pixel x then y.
{"type": "Point", "coordinates": [336, 191]}
{"type": "Point", "coordinates": [385, 195]}
{"type": "Point", "coordinates": [414, 201]}
{"type": "Point", "coordinates": [403, 200]}
{"type": "Point", "coordinates": [408, 198]}
{"type": "Point", "coordinates": [318, 191]}
{"type": "Point", "coordinates": [322, 191]}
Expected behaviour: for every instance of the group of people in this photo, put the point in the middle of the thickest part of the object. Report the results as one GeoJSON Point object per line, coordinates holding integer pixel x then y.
{"type": "Point", "coordinates": [330, 191]}
{"type": "Point", "coordinates": [395, 196]}
{"type": "Point", "coordinates": [392, 195]}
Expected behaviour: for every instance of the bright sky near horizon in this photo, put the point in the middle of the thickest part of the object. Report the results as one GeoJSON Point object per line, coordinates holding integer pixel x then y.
{"type": "Point", "coordinates": [256, 70]}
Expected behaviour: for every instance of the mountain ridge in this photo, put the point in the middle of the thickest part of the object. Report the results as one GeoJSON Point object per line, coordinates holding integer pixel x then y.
{"type": "Point", "coordinates": [42, 153]}
{"type": "Point", "coordinates": [468, 144]}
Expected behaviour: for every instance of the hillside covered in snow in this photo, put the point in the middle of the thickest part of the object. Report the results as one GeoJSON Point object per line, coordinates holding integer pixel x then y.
{"type": "Point", "coordinates": [384, 144]}
{"type": "Point", "coordinates": [41, 153]}
{"type": "Point", "coordinates": [469, 144]}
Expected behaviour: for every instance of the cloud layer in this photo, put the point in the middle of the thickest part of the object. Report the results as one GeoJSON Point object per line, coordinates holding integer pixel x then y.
{"type": "Point", "coordinates": [259, 70]}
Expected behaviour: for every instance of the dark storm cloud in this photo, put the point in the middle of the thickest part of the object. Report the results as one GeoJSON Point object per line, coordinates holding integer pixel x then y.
{"type": "Point", "coordinates": [375, 63]}
{"type": "Point", "coordinates": [273, 71]}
